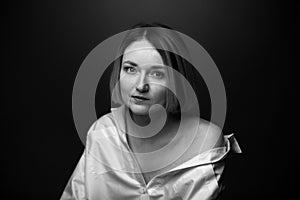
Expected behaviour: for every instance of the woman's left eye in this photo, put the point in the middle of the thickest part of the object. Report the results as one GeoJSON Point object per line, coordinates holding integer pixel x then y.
{"type": "Point", "coordinates": [157, 74]}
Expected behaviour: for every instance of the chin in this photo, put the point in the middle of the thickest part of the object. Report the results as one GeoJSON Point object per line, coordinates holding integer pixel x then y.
{"type": "Point", "coordinates": [139, 109]}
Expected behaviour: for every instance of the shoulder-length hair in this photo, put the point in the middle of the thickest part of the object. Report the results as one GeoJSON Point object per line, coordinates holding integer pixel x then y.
{"type": "Point", "coordinates": [161, 38]}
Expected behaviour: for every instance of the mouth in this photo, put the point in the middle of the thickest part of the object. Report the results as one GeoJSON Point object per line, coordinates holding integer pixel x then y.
{"type": "Point", "coordinates": [140, 98]}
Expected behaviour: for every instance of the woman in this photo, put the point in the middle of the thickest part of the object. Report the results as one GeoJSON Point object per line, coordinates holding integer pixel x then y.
{"type": "Point", "coordinates": [153, 144]}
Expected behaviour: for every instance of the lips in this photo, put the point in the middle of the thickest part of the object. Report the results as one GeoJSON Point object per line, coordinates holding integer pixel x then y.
{"type": "Point", "coordinates": [140, 98]}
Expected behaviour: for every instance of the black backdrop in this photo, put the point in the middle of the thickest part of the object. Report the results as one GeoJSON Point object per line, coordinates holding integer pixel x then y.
{"type": "Point", "coordinates": [253, 44]}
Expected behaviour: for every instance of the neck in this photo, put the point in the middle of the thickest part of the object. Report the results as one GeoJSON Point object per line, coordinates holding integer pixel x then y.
{"type": "Point", "coordinates": [150, 127]}
{"type": "Point", "coordinates": [140, 120]}
{"type": "Point", "coordinates": [155, 134]}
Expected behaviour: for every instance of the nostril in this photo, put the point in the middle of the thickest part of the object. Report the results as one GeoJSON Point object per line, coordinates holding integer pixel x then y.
{"type": "Point", "coordinates": [143, 88]}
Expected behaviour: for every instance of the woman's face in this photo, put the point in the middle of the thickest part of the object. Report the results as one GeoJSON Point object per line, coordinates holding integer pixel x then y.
{"type": "Point", "coordinates": [142, 77]}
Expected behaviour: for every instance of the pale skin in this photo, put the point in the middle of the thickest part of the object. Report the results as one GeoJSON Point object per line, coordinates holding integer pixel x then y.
{"type": "Point", "coordinates": [142, 65]}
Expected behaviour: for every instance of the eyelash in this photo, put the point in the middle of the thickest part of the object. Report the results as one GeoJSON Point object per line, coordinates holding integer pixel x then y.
{"type": "Point", "coordinates": [127, 68]}
{"type": "Point", "coordinates": [161, 75]}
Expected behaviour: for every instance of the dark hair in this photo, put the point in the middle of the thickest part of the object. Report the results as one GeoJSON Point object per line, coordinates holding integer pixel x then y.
{"type": "Point", "coordinates": [162, 38]}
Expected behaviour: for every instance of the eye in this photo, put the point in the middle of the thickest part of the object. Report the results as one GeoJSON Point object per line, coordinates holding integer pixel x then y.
{"type": "Point", "coordinates": [129, 69]}
{"type": "Point", "coordinates": [157, 74]}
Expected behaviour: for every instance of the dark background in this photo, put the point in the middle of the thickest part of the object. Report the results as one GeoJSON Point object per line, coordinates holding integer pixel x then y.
{"type": "Point", "coordinates": [253, 44]}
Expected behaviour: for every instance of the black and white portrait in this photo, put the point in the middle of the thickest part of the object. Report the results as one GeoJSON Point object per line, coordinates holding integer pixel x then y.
{"type": "Point", "coordinates": [149, 100]}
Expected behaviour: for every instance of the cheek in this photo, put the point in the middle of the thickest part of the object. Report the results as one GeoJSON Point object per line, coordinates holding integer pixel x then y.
{"type": "Point", "coordinates": [159, 91]}
{"type": "Point", "coordinates": [125, 86]}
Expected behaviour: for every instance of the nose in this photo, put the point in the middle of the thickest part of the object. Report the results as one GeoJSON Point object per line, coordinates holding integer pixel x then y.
{"type": "Point", "coordinates": [142, 86]}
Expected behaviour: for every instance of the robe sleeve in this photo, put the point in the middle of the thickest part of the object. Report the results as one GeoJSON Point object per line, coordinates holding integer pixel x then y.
{"type": "Point", "coordinates": [218, 167]}
{"type": "Point", "coordinates": [75, 189]}
{"type": "Point", "coordinates": [76, 186]}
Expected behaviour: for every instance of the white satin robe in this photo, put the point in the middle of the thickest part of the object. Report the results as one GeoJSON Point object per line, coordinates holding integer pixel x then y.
{"type": "Point", "coordinates": [103, 171]}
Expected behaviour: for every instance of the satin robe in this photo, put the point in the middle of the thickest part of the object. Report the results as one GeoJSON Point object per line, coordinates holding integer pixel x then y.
{"type": "Point", "coordinates": [104, 171]}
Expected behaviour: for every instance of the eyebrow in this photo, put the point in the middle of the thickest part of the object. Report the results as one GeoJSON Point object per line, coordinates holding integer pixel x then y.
{"type": "Point", "coordinates": [135, 65]}
{"type": "Point", "coordinates": [131, 63]}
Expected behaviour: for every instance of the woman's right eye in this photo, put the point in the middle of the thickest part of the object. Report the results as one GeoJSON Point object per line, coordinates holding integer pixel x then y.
{"type": "Point", "coordinates": [129, 69]}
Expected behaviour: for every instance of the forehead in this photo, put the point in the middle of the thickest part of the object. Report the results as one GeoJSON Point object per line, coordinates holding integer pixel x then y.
{"type": "Point", "coordinates": [142, 52]}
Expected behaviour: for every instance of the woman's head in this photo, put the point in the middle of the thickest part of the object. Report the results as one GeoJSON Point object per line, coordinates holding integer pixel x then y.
{"type": "Point", "coordinates": [140, 76]}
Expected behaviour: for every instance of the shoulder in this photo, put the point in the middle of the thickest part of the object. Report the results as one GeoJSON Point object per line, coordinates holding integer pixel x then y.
{"type": "Point", "coordinates": [103, 122]}
{"type": "Point", "coordinates": [103, 130]}
{"type": "Point", "coordinates": [211, 135]}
